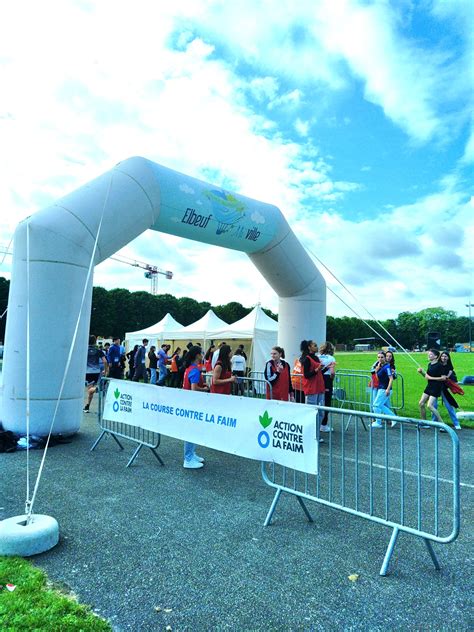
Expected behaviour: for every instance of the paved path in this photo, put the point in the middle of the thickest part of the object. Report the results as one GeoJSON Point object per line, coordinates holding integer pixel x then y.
{"type": "Point", "coordinates": [193, 541]}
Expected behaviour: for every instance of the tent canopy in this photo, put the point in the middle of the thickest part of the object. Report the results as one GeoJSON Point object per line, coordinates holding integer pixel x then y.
{"type": "Point", "coordinates": [202, 329]}
{"type": "Point", "coordinates": [256, 327]}
{"type": "Point", "coordinates": [165, 329]}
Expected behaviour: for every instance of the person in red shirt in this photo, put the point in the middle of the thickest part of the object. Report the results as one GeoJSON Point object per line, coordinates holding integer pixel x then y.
{"type": "Point", "coordinates": [193, 381]}
{"type": "Point", "coordinates": [313, 381]}
{"type": "Point", "coordinates": [222, 378]}
{"type": "Point", "coordinates": [277, 373]}
{"type": "Point", "coordinates": [208, 358]}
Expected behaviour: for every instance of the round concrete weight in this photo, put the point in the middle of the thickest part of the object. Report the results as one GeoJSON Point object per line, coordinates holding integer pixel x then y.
{"type": "Point", "coordinates": [19, 538]}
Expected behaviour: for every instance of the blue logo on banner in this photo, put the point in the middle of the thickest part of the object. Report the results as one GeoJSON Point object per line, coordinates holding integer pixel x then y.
{"type": "Point", "coordinates": [263, 439]}
{"type": "Point", "coordinates": [116, 407]}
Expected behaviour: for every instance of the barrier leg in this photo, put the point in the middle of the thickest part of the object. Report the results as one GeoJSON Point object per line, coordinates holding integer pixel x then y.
{"type": "Point", "coordinates": [272, 508]}
{"type": "Point", "coordinates": [388, 554]}
{"type": "Point", "coordinates": [157, 456]}
{"type": "Point", "coordinates": [135, 454]}
{"type": "Point", "coordinates": [116, 441]}
{"type": "Point", "coordinates": [429, 546]}
{"type": "Point", "coordinates": [98, 440]}
{"type": "Point", "coordinates": [304, 508]}
{"type": "Point", "coordinates": [101, 436]}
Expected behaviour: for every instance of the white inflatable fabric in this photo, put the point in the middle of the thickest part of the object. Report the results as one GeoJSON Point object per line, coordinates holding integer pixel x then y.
{"type": "Point", "coordinates": [140, 195]}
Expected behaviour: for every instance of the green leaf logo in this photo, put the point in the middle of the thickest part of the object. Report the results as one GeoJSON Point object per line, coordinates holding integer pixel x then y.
{"type": "Point", "coordinates": [116, 393]}
{"type": "Point", "coordinates": [265, 419]}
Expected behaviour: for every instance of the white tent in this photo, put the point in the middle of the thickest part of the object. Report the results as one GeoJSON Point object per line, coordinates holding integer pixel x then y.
{"type": "Point", "coordinates": [259, 329]}
{"type": "Point", "coordinates": [165, 329]}
{"type": "Point", "coordinates": [202, 329]}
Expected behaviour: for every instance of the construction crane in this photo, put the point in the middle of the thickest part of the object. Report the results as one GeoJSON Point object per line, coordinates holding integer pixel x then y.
{"type": "Point", "coordinates": [151, 272]}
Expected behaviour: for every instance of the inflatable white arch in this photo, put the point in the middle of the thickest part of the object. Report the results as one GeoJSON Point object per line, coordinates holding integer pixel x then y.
{"type": "Point", "coordinates": [134, 196]}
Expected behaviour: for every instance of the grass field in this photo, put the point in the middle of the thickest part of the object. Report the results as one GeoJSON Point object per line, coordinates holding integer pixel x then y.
{"type": "Point", "coordinates": [414, 383]}
{"type": "Point", "coordinates": [35, 605]}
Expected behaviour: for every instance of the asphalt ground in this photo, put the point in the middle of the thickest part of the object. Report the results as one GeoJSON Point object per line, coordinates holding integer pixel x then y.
{"type": "Point", "coordinates": [192, 543]}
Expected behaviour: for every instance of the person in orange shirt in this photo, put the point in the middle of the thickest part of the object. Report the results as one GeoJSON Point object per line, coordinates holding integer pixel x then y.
{"type": "Point", "coordinates": [174, 368]}
{"type": "Point", "coordinates": [297, 381]}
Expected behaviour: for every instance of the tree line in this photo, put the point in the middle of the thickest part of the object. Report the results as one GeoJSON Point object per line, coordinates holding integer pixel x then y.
{"type": "Point", "coordinates": [117, 311]}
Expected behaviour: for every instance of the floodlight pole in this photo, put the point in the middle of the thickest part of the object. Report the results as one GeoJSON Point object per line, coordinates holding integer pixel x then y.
{"type": "Point", "coordinates": [469, 305]}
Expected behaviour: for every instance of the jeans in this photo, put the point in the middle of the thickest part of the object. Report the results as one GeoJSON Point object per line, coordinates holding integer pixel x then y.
{"type": "Point", "coordinates": [381, 403]}
{"type": "Point", "coordinates": [451, 410]}
{"type": "Point", "coordinates": [152, 376]}
{"type": "Point", "coordinates": [189, 451]}
{"type": "Point", "coordinates": [317, 399]}
{"type": "Point", "coordinates": [140, 372]}
{"type": "Point", "coordinates": [162, 376]}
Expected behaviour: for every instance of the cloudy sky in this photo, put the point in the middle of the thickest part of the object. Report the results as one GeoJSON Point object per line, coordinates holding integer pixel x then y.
{"type": "Point", "coordinates": [352, 116]}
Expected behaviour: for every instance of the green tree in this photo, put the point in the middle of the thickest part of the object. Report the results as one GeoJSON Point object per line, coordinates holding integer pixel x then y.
{"type": "Point", "coordinates": [232, 312]}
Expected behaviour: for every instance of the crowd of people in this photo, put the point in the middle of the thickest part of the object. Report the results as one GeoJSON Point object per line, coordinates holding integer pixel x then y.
{"type": "Point", "coordinates": [309, 381]}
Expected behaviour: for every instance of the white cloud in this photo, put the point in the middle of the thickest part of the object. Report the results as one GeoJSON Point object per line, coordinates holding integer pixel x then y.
{"type": "Point", "coordinates": [186, 189]}
{"type": "Point", "coordinates": [257, 217]}
{"type": "Point", "coordinates": [317, 43]}
{"type": "Point", "coordinates": [302, 127]}
{"type": "Point", "coordinates": [76, 100]}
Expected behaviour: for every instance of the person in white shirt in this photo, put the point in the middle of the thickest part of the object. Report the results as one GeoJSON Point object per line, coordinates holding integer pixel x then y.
{"type": "Point", "coordinates": [328, 361]}
{"type": "Point", "coordinates": [215, 355]}
{"type": "Point", "coordinates": [238, 366]}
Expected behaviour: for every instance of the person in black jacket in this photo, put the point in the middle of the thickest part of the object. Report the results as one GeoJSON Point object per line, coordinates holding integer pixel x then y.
{"type": "Point", "coordinates": [152, 364]}
{"type": "Point", "coordinates": [140, 363]}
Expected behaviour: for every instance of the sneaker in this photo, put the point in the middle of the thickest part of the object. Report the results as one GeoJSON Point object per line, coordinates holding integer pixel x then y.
{"type": "Point", "coordinates": [376, 424]}
{"type": "Point", "coordinates": [86, 408]}
{"type": "Point", "coordinates": [321, 440]}
{"type": "Point", "coordinates": [393, 424]}
{"type": "Point", "coordinates": [425, 426]}
{"type": "Point", "coordinates": [325, 428]}
{"type": "Point", "coordinates": [193, 464]}
{"type": "Point", "coordinates": [199, 458]}
{"type": "Point", "coordinates": [457, 427]}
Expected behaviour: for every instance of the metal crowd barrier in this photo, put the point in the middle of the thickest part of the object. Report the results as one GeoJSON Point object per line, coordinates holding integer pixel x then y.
{"type": "Point", "coordinates": [246, 387]}
{"type": "Point", "coordinates": [144, 438]}
{"type": "Point", "coordinates": [254, 387]}
{"type": "Point", "coordinates": [405, 478]}
{"type": "Point", "coordinates": [352, 388]}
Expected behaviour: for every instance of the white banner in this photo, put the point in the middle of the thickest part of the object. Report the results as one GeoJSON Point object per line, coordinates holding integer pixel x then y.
{"type": "Point", "coordinates": [260, 429]}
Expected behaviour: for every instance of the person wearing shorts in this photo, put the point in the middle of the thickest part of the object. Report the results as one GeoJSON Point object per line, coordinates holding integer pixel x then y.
{"type": "Point", "coordinates": [435, 375]}
{"type": "Point", "coordinates": [96, 360]}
